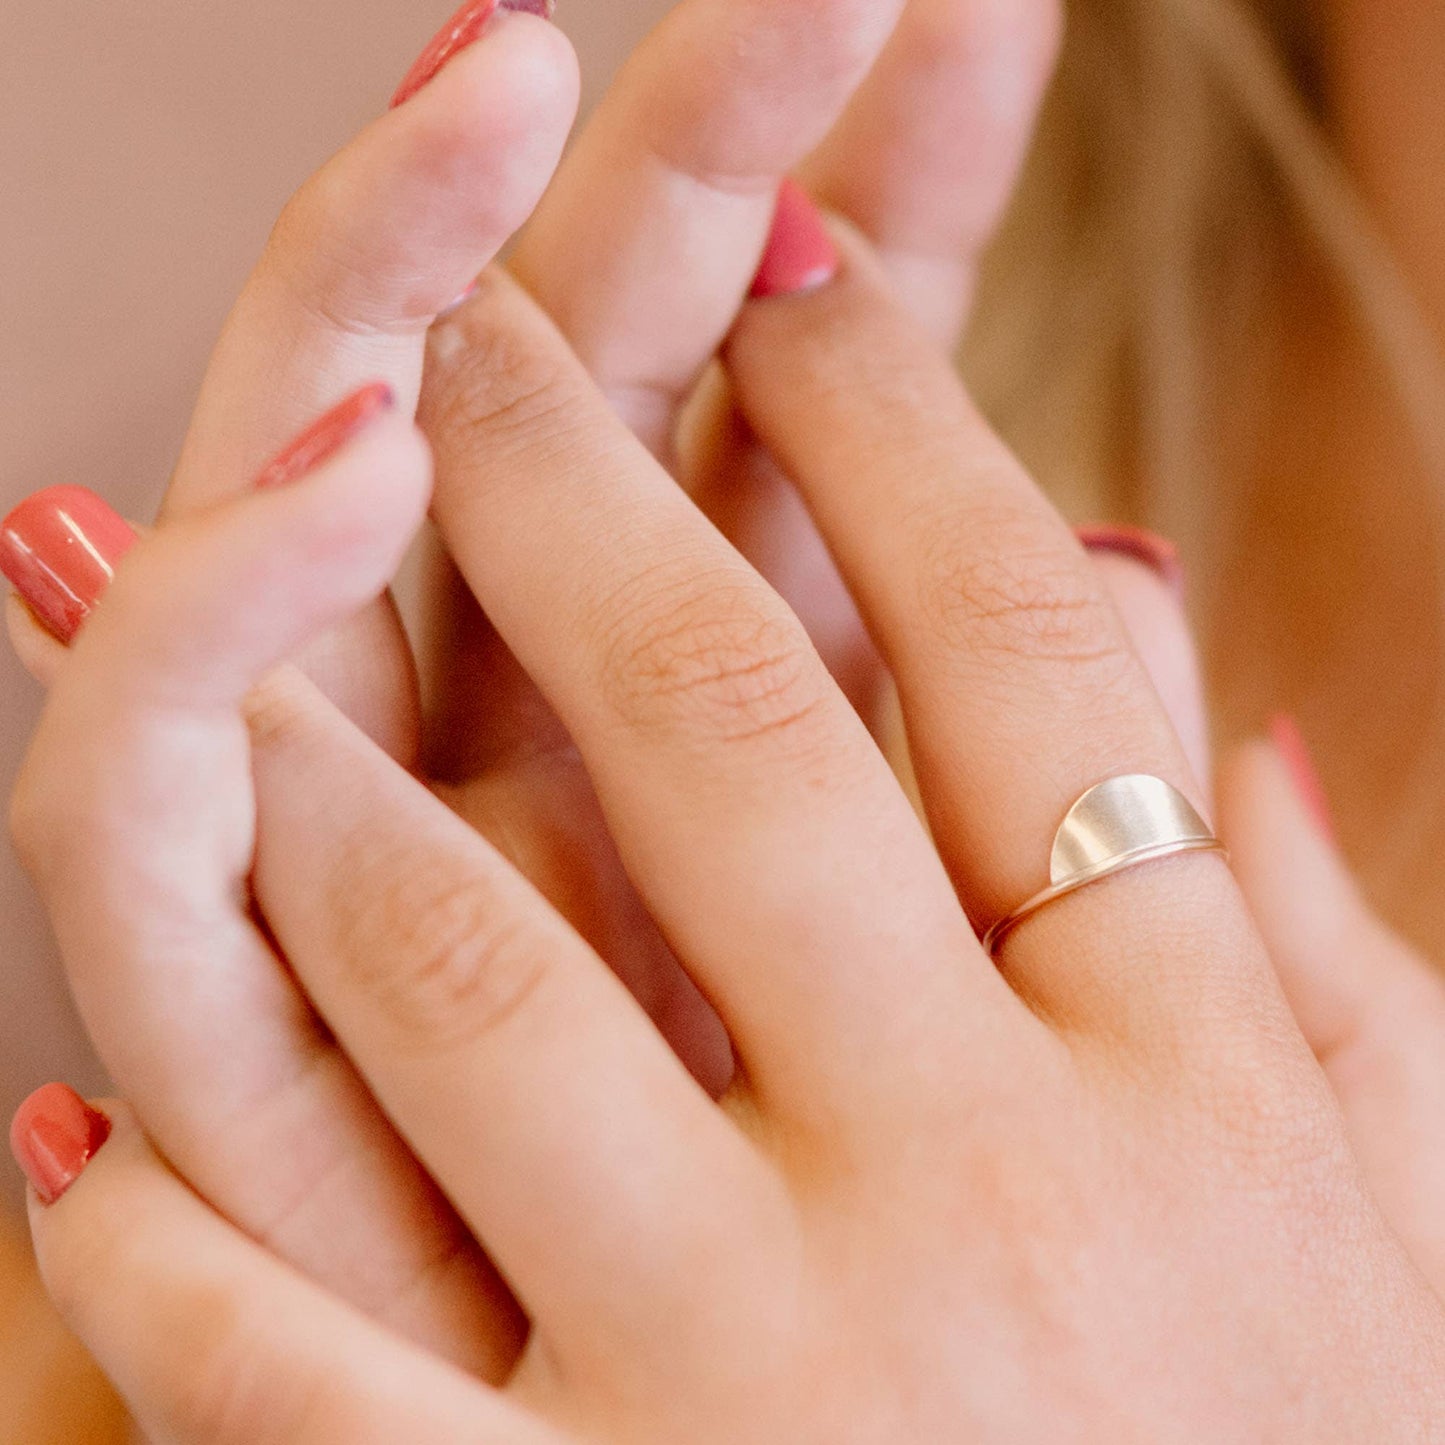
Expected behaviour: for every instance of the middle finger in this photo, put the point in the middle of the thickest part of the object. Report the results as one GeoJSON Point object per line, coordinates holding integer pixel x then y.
{"type": "Point", "coordinates": [649, 236]}
{"type": "Point", "coordinates": [750, 806]}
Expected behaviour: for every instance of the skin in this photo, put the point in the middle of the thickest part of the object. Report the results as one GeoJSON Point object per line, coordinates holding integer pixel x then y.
{"type": "Point", "coordinates": [639, 393]}
{"type": "Point", "coordinates": [348, 246]}
{"type": "Point", "coordinates": [943, 1235]}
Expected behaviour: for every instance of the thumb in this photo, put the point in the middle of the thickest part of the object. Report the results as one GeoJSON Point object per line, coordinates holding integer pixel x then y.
{"type": "Point", "coordinates": [1372, 1009]}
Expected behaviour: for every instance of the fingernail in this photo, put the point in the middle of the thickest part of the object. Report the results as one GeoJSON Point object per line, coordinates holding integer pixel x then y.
{"type": "Point", "coordinates": [53, 1136]}
{"type": "Point", "coordinates": [1157, 553]}
{"type": "Point", "coordinates": [462, 30]}
{"type": "Point", "coordinates": [1290, 744]}
{"type": "Point", "coordinates": [59, 549]}
{"type": "Point", "coordinates": [800, 254]}
{"type": "Point", "coordinates": [327, 436]}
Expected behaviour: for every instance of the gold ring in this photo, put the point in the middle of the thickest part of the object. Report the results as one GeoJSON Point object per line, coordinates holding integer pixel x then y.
{"type": "Point", "coordinates": [1116, 825]}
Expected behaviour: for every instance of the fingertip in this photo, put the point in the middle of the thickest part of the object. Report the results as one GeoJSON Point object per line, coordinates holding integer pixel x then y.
{"type": "Point", "coordinates": [53, 1137]}
{"type": "Point", "coordinates": [385, 236]}
{"type": "Point", "coordinates": [340, 531]}
{"type": "Point", "coordinates": [523, 68]}
{"type": "Point", "coordinates": [38, 650]}
{"type": "Point", "coordinates": [59, 548]}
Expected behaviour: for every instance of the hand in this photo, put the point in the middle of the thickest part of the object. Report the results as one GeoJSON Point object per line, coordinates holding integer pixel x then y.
{"type": "Point", "coordinates": [363, 257]}
{"type": "Point", "coordinates": [1099, 1192]}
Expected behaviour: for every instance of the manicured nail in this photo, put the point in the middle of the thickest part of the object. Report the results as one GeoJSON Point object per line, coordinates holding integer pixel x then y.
{"type": "Point", "coordinates": [1153, 551]}
{"type": "Point", "coordinates": [60, 549]}
{"type": "Point", "coordinates": [463, 29]}
{"type": "Point", "coordinates": [800, 254]}
{"type": "Point", "coordinates": [328, 435]}
{"type": "Point", "coordinates": [1290, 744]}
{"type": "Point", "coordinates": [53, 1136]}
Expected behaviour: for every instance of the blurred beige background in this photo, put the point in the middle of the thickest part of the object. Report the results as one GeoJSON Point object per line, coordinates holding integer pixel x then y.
{"type": "Point", "coordinates": [146, 149]}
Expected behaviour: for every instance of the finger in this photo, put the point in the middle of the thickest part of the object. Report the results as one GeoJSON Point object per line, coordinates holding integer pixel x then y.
{"type": "Point", "coordinates": [1371, 1008]}
{"type": "Point", "coordinates": [519, 1069]}
{"type": "Point", "coordinates": [740, 488]}
{"type": "Point", "coordinates": [209, 1338]}
{"type": "Point", "coordinates": [1018, 682]}
{"type": "Point", "coordinates": [541, 813]}
{"type": "Point", "coordinates": [376, 244]}
{"type": "Point", "coordinates": [926, 156]}
{"type": "Point", "coordinates": [134, 814]}
{"type": "Point", "coordinates": [41, 654]}
{"type": "Point", "coordinates": [673, 183]}
{"type": "Point", "coordinates": [734, 775]}
{"type": "Point", "coordinates": [538, 807]}
{"type": "Point", "coordinates": [922, 161]}
{"type": "Point", "coordinates": [1144, 578]}
{"type": "Point", "coordinates": [362, 259]}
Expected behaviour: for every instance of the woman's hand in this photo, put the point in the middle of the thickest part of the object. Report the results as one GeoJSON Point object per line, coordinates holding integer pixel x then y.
{"type": "Point", "coordinates": [1100, 1192]}
{"type": "Point", "coordinates": [365, 255]}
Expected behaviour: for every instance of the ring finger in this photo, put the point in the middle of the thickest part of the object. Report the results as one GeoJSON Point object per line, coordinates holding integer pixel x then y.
{"type": "Point", "coordinates": [1019, 684]}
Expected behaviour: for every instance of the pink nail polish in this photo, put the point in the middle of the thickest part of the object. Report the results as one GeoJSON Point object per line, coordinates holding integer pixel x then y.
{"type": "Point", "coordinates": [53, 1136]}
{"type": "Point", "coordinates": [463, 29]}
{"type": "Point", "coordinates": [60, 549]}
{"type": "Point", "coordinates": [1153, 551]}
{"type": "Point", "coordinates": [800, 254]}
{"type": "Point", "coordinates": [327, 436]}
{"type": "Point", "coordinates": [1290, 744]}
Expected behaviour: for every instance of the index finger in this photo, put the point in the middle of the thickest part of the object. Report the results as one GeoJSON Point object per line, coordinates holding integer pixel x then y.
{"type": "Point", "coordinates": [925, 158]}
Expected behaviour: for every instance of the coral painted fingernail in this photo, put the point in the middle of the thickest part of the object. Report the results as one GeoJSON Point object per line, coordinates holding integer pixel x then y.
{"type": "Point", "coordinates": [60, 549]}
{"type": "Point", "coordinates": [463, 29]}
{"type": "Point", "coordinates": [53, 1136]}
{"type": "Point", "coordinates": [800, 254]}
{"type": "Point", "coordinates": [1290, 744]}
{"type": "Point", "coordinates": [328, 435]}
{"type": "Point", "coordinates": [1149, 548]}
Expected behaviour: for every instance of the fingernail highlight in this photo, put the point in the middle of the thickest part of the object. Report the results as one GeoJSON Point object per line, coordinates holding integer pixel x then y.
{"type": "Point", "coordinates": [1290, 744]}
{"type": "Point", "coordinates": [327, 436]}
{"type": "Point", "coordinates": [800, 254]}
{"type": "Point", "coordinates": [463, 29]}
{"type": "Point", "coordinates": [454, 306]}
{"type": "Point", "coordinates": [53, 1136]}
{"type": "Point", "coordinates": [59, 548]}
{"type": "Point", "coordinates": [1157, 553]}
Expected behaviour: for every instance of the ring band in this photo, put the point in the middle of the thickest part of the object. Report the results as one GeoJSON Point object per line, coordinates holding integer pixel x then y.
{"type": "Point", "coordinates": [1116, 825]}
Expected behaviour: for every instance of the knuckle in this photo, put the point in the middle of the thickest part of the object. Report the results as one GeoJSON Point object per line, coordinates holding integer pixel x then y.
{"type": "Point", "coordinates": [224, 1393]}
{"type": "Point", "coordinates": [716, 658]}
{"type": "Point", "coordinates": [445, 963]}
{"type": "Point", "coordinates": [231, 1388]}
{"type": "Point", "coordinates": [1014, 600]}
{"type": "Point", "coordinates": [318, 265]}
{"type": "Point", "coordinates": [224, 1386]}
{"type": "Point", "coordinates": [279, 710]}
{"type": "Point", "coordinates": [1266, 1116]}
{"type": "Point", "coordinates": [496, 378]}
